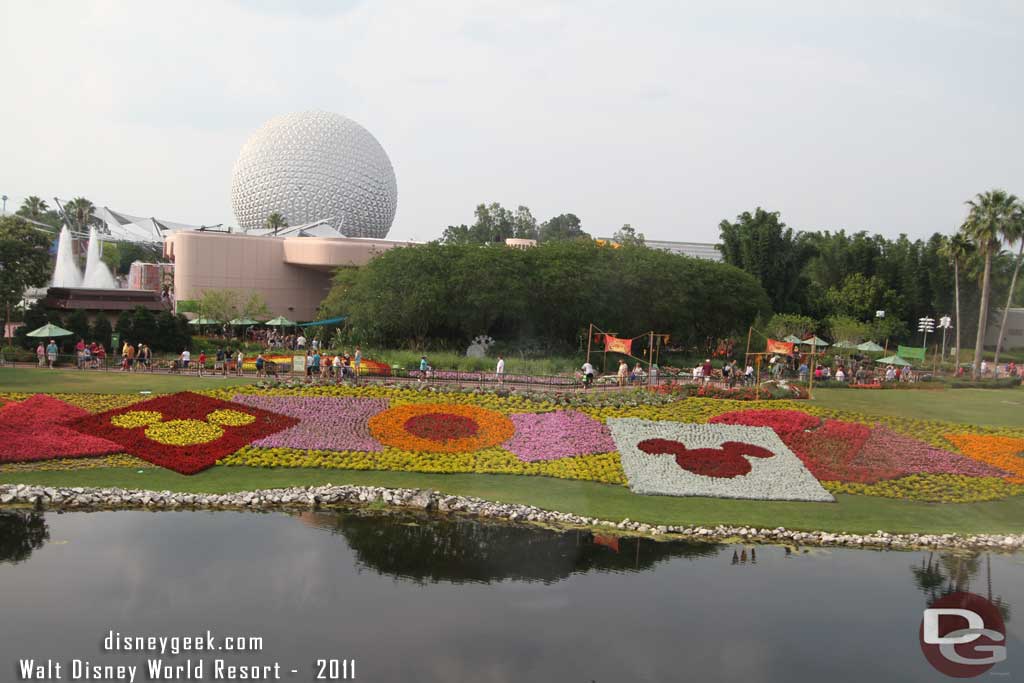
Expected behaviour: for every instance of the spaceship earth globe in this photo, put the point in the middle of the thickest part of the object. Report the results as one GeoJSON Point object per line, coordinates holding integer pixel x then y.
{"type": "Point", "coordinates": [312, 166]}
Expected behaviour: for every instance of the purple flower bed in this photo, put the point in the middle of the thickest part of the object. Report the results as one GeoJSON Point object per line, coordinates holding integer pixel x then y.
{"type": "Point", "coordinates": [561, 434]}
{"type": "Point", "coordinates": [885, 449]}
{"type": "Point", "coordinates": [329, 424]}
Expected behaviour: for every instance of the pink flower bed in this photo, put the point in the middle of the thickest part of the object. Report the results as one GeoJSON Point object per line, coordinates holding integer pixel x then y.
{"type": "Point", "coordinates": [32, 430]}
{"type": "Point", "coordinates": [887, 450]}
{"type": "Point", "coordinates": [327, 424]}
{"type": "Point", "coordinates": [559, 434]}
{"type": "Point", "coordinates": [782, 421]}
{"type": "Point", "coordinates": [829, 452]}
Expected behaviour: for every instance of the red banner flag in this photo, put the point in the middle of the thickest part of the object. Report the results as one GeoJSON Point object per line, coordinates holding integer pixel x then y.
{"type": "Point", "coordinates": [617, 345]}
{"type": "Point", "coordinates": [775, 346]}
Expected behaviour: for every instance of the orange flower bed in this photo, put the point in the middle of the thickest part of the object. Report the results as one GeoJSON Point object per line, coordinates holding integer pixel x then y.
{"type": "Point", "coordinates": [1004, 452]}
{"type": "Point", "coordinates": [441, 428]}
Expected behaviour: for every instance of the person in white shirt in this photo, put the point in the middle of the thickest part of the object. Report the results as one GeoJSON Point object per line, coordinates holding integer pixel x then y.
{"type": "Point", "coordinates": [300, 343]}
{"type": "Point", "coordinates": [749, 374]}
{"type": "Point", "coordinates": [840, 375]}
{"type": "Point", "coordinates": [186, 356]}
{"type": "Point", "coordinates": [240, 362]}
{"type": "Point", "coordinates": [588, 374]}
{"type": "Point", "coordinates": [500, 370]}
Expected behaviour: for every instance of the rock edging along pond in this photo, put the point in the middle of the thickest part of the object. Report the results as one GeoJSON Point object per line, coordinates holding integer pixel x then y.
{"type": "Point", "coordinates": [46, 497]}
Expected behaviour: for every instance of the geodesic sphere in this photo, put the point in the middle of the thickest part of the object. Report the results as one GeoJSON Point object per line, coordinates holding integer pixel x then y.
{"type": "Point", "coordinates": [311, 166]}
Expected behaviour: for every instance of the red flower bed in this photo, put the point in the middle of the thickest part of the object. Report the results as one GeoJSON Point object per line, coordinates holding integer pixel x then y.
{"type": "Point", "coordinates": [782, 421]}
{"type": "Point", "coordinates": [193, 436]}
{"type": "Point", "coordinates": [32, 430]}
{"type": "Point", "coordinates": [829, 452]}
{"type": "Point", "coordinates": [725, 462]}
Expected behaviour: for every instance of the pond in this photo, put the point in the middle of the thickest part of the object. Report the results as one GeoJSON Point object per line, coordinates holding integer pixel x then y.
{"type": "Point", "coordinates": [424, 598]}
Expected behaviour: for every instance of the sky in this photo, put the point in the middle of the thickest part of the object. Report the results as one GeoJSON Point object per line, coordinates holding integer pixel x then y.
{"type": "Point", "coordinates": [669, 116]}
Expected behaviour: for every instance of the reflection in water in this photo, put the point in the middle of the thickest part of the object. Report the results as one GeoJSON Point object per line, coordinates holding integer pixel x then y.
{"type": "Point", "coordinates": [21, 532]}
{"type": "Point", "coordinates": [948, 573]}
{"type": "Point", "coordinates": [430, 549]}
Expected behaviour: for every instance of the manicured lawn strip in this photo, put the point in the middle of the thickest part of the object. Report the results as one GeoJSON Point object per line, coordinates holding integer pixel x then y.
{"type": "Point", "coordinates": [982, 407]}
{"type": "Point", "coordinates": [32, 380]}
{"type": "Point", "coordinates": [853, 514]}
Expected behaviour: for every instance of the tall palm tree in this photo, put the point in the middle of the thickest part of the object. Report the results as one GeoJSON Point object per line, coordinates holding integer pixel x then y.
{"type": "Point", "coordinates": [80, 212]}
{"type": "Point", "coordinates": [276, 221]}
{"type": "Point", "coordinates": [986, 222]}
{"type": "Point", "coordinates": [1012, 232]}
{"type": "Point", "coordinates": [33, 207]}
{"type": "Point", "coordinates": [957, 248]}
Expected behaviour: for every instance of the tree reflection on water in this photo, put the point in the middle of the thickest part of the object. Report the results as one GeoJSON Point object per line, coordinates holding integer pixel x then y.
{"type": "Point", "coordinates": [21, 532]}
{"type": "Point", "coordinates": [431, 549]}
{"type": "Point", "coordinates": [940, 575]}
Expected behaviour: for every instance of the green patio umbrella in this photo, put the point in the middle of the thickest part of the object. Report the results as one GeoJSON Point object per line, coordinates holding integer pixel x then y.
{"type": "Point", "coordinates": [844, 345]}
{"type": "Point", "coordinates": [204, 321]}
{"type": "Point", "coordinates": [870, 347]}
{"type": "Point", "coordinates": [243, 321]}
{"type": "Point", "coordinates": [815, 342]}
{"type": "Point", "coordinates": [893, 360]}
{"type": "Point", "coordinates": [49, 330]}
{"type": "Point", "coordinates": [792, 339]}
{"type": "Point", "coordinates": [280, 321]}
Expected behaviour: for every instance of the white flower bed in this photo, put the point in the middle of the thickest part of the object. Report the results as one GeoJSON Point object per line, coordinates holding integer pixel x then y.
{"type": "Point", "coordinates": [779, 477]}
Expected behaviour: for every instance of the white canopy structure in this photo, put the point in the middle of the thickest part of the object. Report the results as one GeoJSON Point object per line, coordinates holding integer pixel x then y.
{"type": "Point", "coordinates": [123, 226]}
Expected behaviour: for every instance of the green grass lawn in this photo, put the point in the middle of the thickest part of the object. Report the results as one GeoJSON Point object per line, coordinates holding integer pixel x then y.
{"type": "Point", "coordinates": [991, 407]}
{"type": "Point", "coordinates": [854, 514]}
{"type": "Point", "coordinates": [108, 382]}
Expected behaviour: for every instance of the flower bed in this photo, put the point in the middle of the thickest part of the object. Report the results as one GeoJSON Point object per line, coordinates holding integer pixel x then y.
{"type": "Point", "coordinates": [675, 459]}
{"type": "Point", "coordinates": [1006, 453]}
{"type": "Point", "coordinates": [183, 432]}
{"type": "Point", "coordinates": [441, 428]}
{"type": "Point", "coordinates": [324, 423]}
{"type": "Point", "coordinates": [33, 430]}
{"type": "Point", "coordinates": [558, 434]}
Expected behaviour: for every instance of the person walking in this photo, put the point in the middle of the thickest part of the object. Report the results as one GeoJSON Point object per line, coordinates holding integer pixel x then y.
{"type": "Point", "coordinates": [218, 363]}
{"type": "Point", "coordinates": [51, 353]}
{"type": "Point", "coordinates": [588, 375]}
{"type": "Point", "coordinates": [314, 368]}
{"type": "Point", "coordinates": [707, 370]}
{"type": "Point", "coordinates": [424, 368]}
{"type": "Point", "coordinates": [202, 362]}
{"type": "Point", "coordinates": [309, 365]}
{"type": "Point", "coordinates": [186, 358]}
{"type": "Point", "coordinates": [41, 354]}
{"type": "Point", "coordinates": [259, 365]}
{"type": "Point", "coordinates": [357, 360]}
{"type": "Point", "coordinates": [623, 373]}
{"type": "Point", "coordinates": [239, 363]}
{"type": "Point", "coordinates": [499, 371]}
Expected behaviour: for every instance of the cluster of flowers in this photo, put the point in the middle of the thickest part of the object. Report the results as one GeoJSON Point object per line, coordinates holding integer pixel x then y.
{"type": "Point", "coordinates": [1004, 452]}
{"type": "Point", "coordinates": [712, 460]}
{"type": "Point", "coordinates": [324, 422]}
{"type": "Point", "coordinates": [476, 376]}
{"type": "Point", "coordinates": [34, 429]}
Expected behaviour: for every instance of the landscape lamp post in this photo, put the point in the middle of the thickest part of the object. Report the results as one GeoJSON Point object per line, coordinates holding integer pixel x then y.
{"type": "Point", "coordinates": [945, 323]}
{"type": "Point", "coordinates": [925, 325]}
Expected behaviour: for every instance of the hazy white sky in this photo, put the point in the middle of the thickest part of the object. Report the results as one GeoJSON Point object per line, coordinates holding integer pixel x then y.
{"type": "Point", "coordinates": [670, 116]}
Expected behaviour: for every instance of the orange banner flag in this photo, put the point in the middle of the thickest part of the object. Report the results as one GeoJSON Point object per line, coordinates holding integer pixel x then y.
{"type": "Point", "coordinates": [775, 346]}
{"type": "Point", "coordinates": [618, 345]}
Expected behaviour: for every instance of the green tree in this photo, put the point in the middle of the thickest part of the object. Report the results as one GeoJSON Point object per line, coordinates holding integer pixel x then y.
{"type": "Point", "coordinates": [78, 322]}
{"type": "Point", "coordinates": [987, 221]}
{"type": "Point", "coordinates": [956, 249]}
{"type": "Point", "coordinates": [1013, 232]}
{"type": "Point", "coordinates": [24, 261]}
{"type": "Point", "coordinates": [80, 214]}
{"type": "Point", "coordinates": [144, 327]}
{"type": "Point", "coordinates": [33, 207]}
{"type": "Point", "coordinates": [172, 332]}
{"type": "Point", "coordinates": [565, 226]}
{"type": "Point", "coordinates": [101, 330]}
{"type": "Point", "coordinates": [762, 245]}
{"type": "Point", "coordinates": [785, 324]}
{"type": "Point", "coordinates": [859, 297]}
{"type": "Point", "coordinates": [219, 304]}
{"type": "Point", "coordinates": [844, 328]}
{"type": "Point", "coordinates": [125, 329]}
{"type": "Point", "coordinates": [524, 225]}
{"type": "Point", "coordinates": [275, 221]}
{"type": "Point", "coordinates": [627, 236]}
{"type": "Point", "coordinates": [255, 307]}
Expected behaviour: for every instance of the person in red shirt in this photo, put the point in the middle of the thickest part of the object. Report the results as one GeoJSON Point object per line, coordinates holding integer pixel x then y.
{"type": "Point", "coordinates": [202, 362]}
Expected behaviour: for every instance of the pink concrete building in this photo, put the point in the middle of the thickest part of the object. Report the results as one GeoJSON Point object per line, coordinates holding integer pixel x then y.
{"type": "Point", "coordinates": [293, 274]}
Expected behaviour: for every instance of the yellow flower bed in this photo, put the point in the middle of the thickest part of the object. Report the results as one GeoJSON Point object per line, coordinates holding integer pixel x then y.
{"type": "Point", "coordinates": [64, 464]}
{"type": "Point", "coordinates": [183, 432]}
{"type": "Point", "coordinates": [94, 403]}
{"type": "Point", "coordinates": [136, 418]}
{"type": "Point", "coordinates": [230, 418]}
{"type": "Point", "coordinates": [935, 488]}
{"type": "Point", "coordinates": [605, 467]}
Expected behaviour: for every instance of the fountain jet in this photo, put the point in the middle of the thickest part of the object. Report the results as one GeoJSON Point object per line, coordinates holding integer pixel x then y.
{"type": "Point", "coordinates": [66, 273]}
{"type": "Point", "coordinates": [97, 275]}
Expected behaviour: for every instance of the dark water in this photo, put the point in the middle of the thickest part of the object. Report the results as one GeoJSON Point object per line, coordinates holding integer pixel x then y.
{"type": "Point", "coordinates": [426, 599]}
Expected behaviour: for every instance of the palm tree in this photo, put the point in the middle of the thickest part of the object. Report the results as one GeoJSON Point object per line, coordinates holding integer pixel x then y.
{"type": "Point", "coordinates": [1013, 231]}
{"type": "Point", "coordinates": [986, 223]}
{"type": "Point", "coordinates": [276, 221]}
{"type": "Point", "coordinates": [80, 212]}
{"type": "Point", "coordinates": [33, 207]}
{"type": "Point", "coordinates": [957, 248]}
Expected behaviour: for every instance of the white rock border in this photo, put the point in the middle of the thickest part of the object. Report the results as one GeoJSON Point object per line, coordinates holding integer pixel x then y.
{"type": "Point", "coordinates": [45, 497]}
{"type": "Point", "coordinates": [780, 477]}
